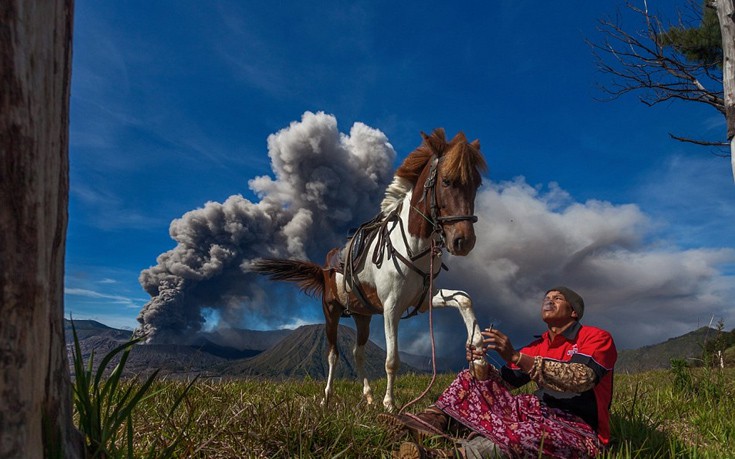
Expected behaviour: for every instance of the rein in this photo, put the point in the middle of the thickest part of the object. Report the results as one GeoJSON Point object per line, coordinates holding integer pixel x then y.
{"type": "Point", "coordinates": [436, 223]}
{"type": "Point", "coordinates": [434, 248]}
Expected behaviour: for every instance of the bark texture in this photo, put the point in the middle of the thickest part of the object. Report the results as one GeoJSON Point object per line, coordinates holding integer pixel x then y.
{"type": "Point", "coordinates": [35, 73]}
{"type": "Point", "coordinates": [726, 16]}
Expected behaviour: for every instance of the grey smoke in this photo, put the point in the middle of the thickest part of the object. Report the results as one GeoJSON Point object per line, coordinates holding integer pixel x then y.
{"type": "Point", "coordinates": [324, 183]}
{"type": "Point", "coordinates": [643, 291]}
{"type": "Point", "coordinates": [529, 238]}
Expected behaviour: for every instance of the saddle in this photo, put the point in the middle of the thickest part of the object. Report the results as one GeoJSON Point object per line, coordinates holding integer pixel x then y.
{"type": "Point", "coordinates": [356, 255]}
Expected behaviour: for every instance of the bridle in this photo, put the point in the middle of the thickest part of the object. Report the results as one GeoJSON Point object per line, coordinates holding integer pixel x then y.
{"type": "Point", "coordinates": [435, 220]}
{"type": "Point", "coordinates": [382, 226]}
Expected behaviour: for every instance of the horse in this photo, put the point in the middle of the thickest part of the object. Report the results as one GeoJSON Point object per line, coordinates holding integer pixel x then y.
{"type": "Point", "coordinates": [389, 264]}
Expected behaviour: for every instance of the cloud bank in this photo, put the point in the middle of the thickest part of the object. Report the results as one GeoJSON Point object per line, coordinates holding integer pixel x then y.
{"type": "Point", "coordinates": [642, 289]}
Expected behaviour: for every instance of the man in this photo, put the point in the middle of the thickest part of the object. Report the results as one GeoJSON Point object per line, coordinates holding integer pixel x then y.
{"type": "Point", "coordinates": [567, 417]}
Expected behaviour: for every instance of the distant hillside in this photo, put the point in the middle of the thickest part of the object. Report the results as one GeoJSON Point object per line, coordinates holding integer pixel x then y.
{"type": "Point", "coordinates": [304, 353]}
{"type": "Point", "coordinates": [238, 352]}
{"type": "Point", "coordinates": [180, 360]}
{"type": "Point", "coordinates": [239, 338]}
{"type": "Point", "coordinates": [87, 328]}
{"type": "Point", "coordinates": [656, 356]}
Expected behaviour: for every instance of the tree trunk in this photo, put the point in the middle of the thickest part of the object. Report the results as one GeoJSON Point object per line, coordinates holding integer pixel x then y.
{"type": "Point", "coordinates": [35, 73]}
{"type": "Point", "coordinates": [726, 16]}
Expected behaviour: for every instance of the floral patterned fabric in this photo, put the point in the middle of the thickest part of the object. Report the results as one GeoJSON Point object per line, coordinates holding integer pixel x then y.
{"type": "Point", "coordinates": [562, 376]}
{"type": "Point", "coordinates": [518, 424]}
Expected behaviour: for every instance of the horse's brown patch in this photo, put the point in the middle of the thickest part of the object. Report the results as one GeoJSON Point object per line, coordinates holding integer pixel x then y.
{"type": "Point", "coordinates": [371, 294]}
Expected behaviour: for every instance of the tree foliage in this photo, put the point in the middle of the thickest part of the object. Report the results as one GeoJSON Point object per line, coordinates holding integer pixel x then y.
{"type": "Point", "coordinates": [700, 43]}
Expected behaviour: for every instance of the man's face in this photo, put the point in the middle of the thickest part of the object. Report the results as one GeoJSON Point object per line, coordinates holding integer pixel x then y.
{"type": "Point", "coordinates": [556, 310]}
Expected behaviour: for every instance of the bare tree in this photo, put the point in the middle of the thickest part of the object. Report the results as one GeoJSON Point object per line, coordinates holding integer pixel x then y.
{"type": "Point", "coordinates": [652, 64]}
{"type": "Point", "coordinates": [35, 71]}
{"type": "Point", "coordinates": [726, 16]}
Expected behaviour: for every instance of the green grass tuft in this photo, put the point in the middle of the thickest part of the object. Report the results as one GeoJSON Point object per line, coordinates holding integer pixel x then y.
{"type": "Point", "coordinates": [104, 405]}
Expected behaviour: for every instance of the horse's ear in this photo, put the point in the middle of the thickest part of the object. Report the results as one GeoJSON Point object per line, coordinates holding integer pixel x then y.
{"type": "Point", "coordinates": [440, 134]}
{"type": "Point", "coordinates": [475, 144]}
{"type": "Point", "coordinates": [424, 136]}
{"type": "Point", "coordinates": [459, 138]}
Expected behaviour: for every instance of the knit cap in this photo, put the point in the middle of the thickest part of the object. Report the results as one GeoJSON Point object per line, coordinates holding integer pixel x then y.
{"type": "Point", "coordinates": [572, 298]}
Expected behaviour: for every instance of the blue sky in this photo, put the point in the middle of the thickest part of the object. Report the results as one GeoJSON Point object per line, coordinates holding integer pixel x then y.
{"type": "Point", "coordinates": [173, 103]}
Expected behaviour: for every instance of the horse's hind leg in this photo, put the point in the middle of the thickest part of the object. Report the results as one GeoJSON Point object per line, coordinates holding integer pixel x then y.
{"type": "Point", "coordinates": [363, 333]}
{"type": "Point", "coordinates": [462, 301]}
{"type": "Point", "coordinates": [331, 316]}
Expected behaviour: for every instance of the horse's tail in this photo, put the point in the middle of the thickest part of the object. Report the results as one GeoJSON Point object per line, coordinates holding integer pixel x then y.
{"type": "Point", "coordinates": [307, 275]}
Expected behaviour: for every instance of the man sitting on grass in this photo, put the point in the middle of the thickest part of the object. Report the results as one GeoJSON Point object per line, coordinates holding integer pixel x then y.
{"type": "Point", "coordinates": [567, 417]}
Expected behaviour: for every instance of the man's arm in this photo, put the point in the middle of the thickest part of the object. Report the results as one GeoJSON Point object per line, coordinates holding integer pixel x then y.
{"type": "Point", "coordinates": [563, 376]}
{"type": "Point", "coordinates": [514, 378]}
{"type": "Point", "coordinates": [595, 357]}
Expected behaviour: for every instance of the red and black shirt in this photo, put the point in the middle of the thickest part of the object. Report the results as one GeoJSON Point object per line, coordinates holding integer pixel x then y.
{"type": "Point", "coordinates": [582, 344]}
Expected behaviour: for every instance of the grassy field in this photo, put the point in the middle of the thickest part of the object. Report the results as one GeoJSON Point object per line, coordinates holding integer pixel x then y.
{"type": "Point", "coordinates": [667, 414]}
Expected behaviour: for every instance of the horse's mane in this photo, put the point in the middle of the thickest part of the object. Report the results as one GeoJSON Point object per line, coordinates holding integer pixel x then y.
{"type": "Point", "coordinates": [460, 161]}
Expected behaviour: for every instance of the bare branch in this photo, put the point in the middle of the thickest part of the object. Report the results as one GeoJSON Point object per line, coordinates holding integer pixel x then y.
{"type": "Point", "coordinates": [705, 143]}
{"type": "Point", "coordinates": [639, 62]}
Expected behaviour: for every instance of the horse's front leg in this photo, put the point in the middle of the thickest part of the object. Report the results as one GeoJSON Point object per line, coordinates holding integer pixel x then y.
{"type": "Point", "coordinates": [392, 362]}
{"type": "Point", "coordinates": [462, 301]}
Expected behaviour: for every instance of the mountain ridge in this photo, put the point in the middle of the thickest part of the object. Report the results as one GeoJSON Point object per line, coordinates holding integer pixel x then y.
{"type": "Point", "coordinates": [302, 352]}
{"type": "Point", "coordinates": [279, 354]}
{"type": "Point", "coordinates": [688, 346]}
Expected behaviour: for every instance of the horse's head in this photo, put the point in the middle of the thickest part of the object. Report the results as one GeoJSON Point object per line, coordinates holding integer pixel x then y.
{"type": "Point", "coordinates": [445, 189]}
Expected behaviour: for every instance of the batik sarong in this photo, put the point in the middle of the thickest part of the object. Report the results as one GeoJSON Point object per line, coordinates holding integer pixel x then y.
{"type": "Point", "coordinates": [520, 425]}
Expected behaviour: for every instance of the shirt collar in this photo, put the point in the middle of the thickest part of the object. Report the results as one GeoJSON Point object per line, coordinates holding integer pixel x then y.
{"type": "Point", "coordinates": [573, 330]}
{"type": "Point", "coordinates": [570, 334]}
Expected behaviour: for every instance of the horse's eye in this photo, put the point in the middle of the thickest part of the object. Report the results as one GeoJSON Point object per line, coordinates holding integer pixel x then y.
{"type": "Point", "coordinates": [446, 182]}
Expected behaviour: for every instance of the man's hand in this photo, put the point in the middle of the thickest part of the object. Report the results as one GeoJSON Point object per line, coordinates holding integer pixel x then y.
{"type": "Point", "coordinates": [494, 340]}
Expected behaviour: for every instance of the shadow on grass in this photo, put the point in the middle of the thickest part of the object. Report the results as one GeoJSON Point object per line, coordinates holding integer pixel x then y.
{"type": "Point", "coordinates": [637, 437]}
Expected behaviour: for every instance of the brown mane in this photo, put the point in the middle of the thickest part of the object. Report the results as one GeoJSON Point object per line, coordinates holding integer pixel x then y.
{"type": "Point", "coordinates": [461, 161]}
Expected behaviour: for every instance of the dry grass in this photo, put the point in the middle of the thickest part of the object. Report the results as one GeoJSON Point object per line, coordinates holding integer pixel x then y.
{"type": "Point", "coordinates": [258, 418]}
{"type": "Point", "coordinates": [681, 413]}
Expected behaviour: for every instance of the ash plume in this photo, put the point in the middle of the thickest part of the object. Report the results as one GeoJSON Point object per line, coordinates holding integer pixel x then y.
{"type": "Point", "coordinates": [639, 287]}
{"type": "Point", "coordinates": [325, 182]}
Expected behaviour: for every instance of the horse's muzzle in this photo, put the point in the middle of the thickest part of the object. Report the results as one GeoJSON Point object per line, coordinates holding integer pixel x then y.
{"type": "Point", "coordinates": [461, 244]}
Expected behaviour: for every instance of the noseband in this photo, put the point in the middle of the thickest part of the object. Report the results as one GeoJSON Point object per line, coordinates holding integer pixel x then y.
{"type": "Point", "coordinates": [434, 218]}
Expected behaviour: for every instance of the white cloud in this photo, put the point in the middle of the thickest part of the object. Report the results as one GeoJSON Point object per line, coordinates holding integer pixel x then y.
{"type": "Point", "coordinates": [296, 323]}
{"type": "Point", "coordinates": [693, 199]}
{"type": "Point", "coordinates": [113, 299]}
{"type": "Point", "coordinates": [530, 239]}
{"type": "Point", "coordinates": [109, 211]}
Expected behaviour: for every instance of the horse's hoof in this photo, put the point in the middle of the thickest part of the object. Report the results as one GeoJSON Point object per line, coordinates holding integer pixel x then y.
{"type": "Point", "coordinates": [369, 399]}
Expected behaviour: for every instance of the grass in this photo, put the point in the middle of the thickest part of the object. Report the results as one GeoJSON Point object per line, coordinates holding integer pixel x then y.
{"type": "Point", "coordinates": [104, 403]}
{"type": "Point", "coordinates": [651, 418]}
{"type": "Point", "coordinates": [681, 413]}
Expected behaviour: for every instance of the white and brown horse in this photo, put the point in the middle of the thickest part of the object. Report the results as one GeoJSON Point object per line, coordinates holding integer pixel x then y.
{"type": "Point", "coordinates": [388, 265]}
